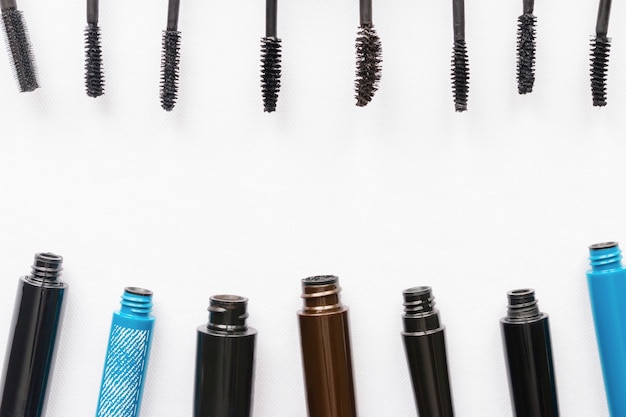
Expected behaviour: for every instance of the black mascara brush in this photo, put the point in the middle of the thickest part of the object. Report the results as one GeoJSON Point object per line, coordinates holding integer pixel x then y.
{"type": "Point", "coordinates": [460, 67]}
{"type": "Point", "coordinates": [94, 77]}
{"type": "Point", "coordinates": [600, 54]}
{"type": "Point", "coordinates": [368, 56]}
{"type": "Point", "coordinates": [270, 58]}
{"type": "Point", "coordinates": [171, 57]}
{"type": "Point", "coordinates": [526, 48]}
{"type": "Point", "coordinates": [19, 46]}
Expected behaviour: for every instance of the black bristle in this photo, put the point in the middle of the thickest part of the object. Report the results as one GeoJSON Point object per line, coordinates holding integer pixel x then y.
{"type": "Point", "coordinates": [460, 75]}
{"type": "Point", "coordinates": [169, 69]}
{"type": "Point", "coordinates": [94, 77]}
{"type": "Point", "coordinates": [20, 49]}
{"type": "Point", "coordinates": [270, 72]}
{"type": "Point", "coordinates": [368, 64]}
{"type": "Point", "coordinates": [526, 53]}
{"type": "Point", "coordinates": [600, 46]}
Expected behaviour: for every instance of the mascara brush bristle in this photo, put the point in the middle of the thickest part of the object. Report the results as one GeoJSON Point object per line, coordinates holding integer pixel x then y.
{"type": "Point", "coordinates": [526, 53]}
{"type": "Point", "coordinates": [270, 72]}
{"type": "Point", "coordinates": [94, 77]}
{"type": "Point", "coordinates": [599, 63]}
{"type": "Point", "coordinates": [460, 75]}
{"type": "Point", "coordinates": [169, 69]}
{"type": "Point", "coordinates": [368, 64]}
{"type": "Point", "coordinates": [20, 49]}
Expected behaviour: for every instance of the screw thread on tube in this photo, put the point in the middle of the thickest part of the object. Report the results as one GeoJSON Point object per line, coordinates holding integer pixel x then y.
{"type": "Point", "coordinates": [47, 267]}
{"type": "Point", "coordinates": [607, 284]}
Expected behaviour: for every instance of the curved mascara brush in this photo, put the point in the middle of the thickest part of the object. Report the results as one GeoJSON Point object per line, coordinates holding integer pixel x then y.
{"type": "Point", "coordinates": [94, 76]}
{"type": "Point", "coordinates": [600, 45]}
{"type": "Point", "coordinates": [460, 66]}
{"type": "Point", "coordinates": [526, 48]}
{"type": "Point", "coordinates": [368, 56]}
{"type": "Point", "coordinates": [270, 58]}
{"type": "Point", "coordinates": [18, 44]}
{"type": "Point", "coordinates": [170, 58]}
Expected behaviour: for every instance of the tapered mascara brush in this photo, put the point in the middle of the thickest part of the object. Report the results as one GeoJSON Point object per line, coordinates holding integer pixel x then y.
{"type": "Point", "coordinates": [460, 67]}
{"type": "Point", "coordinates": [600, 45]}
{"type": "Point", "coordinates": [526, 48]}
{"type": "Point", "coordinates": [19, 46]}
{"type": "Point", "coordinates": [270, 58]}
{"type": "Point", "coordinates": [94, 76]}
{"type": "Point", "coordinates": [171, 57]}
{"type": "Point", "coordinates": [368, 56]}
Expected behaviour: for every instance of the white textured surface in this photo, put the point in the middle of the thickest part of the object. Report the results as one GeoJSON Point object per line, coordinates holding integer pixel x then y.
{"type": "Point", "coordinates": [219, 197]}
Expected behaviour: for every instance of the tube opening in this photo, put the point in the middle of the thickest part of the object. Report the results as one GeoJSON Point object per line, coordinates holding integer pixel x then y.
{"type": "Point", "coordinates": [603, 245]}
{"type": "Point", "coordinates": [138, 291]}
{"type": "Point", "coordinates": [320, 280]}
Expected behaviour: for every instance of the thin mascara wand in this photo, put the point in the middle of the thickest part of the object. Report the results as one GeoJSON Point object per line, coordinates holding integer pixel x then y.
{"type": "Point", "coordinates": [600, 45]}
{"type": "Point", "coordinates": [460, 68]}
{"type": "Point", "coordinates": [171, 57]}
{"type": "Point", "coordinates": [270, 58]}
{"type": "Point", "coordinates": [368, 56]}
{"type": "Point", "coordinates": [19, 46]}
{"type": "Point", "coordinates": [94, 76]}
{"type": "Point", "coordinates": [526, 48]}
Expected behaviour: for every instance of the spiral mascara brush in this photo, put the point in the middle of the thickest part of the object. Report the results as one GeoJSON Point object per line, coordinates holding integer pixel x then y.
{"type": "Point", "coordinates": [526, 48]}
{"type": "Point", "coordinates": [270, 58]}
{"type": "Point", "coordinates": [94, 77]}
{"type": "Point", "coordinates": [368, 56]}
{"type": "Point", "coordinates": [460, 68]}
{"type": "Point", "coordinates": [600, 45]}
{"type": "Point", "coordinates": [171, 57]}
{"type": "Point", "coordinates": [18, 44]}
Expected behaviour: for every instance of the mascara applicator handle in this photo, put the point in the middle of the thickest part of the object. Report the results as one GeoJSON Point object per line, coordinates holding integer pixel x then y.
{"type": "Point", "coordinates": [271, 12]}
{"type": "Point", "coordinates": [602, 24]}
{"type": "Point", "coordinates": [365, 12]}
{"type": "Point", "coordinates": [92, 11]}
{"type": "Point", "coordinates": [8, 4]}
{"type": "Point", "coordinates": [529, 6]}
{"type": "Point", "coordinates": [458, 19]}
{"type": "Point", "coordinates": [173, 9]}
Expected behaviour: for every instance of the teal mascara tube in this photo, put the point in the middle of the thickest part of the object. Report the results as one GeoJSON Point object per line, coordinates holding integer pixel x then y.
{"type": "Point", "coordinates": [607, 287]}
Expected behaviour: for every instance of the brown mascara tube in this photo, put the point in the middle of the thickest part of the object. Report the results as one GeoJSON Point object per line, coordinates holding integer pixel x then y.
{"type": "Point", "coordinates": [326, 357]}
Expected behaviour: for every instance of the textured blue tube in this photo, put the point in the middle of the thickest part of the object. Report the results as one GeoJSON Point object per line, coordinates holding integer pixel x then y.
{"type": "Point", "coordinates": [127, 356]}
{"type": "Point", "coordinates": [607, 290]}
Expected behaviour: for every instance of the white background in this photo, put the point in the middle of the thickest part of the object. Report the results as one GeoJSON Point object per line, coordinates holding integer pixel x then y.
{"type": "Point", "coordinates": [219, 197]}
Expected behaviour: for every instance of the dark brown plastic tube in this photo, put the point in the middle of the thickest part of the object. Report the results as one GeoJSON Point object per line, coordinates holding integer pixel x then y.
{"type": "Point", "coordinates": [326, 357]}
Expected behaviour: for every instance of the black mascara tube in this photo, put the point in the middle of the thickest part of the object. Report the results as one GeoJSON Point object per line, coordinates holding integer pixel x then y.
{"type": "Point", "coordinates": [528, 355]}
{"type": "Point", "coordinates": [33, 338]}
{"type": "Point", "coordinates": [425, 345]}
{"type": "Point", "coordinates": [225, 360]}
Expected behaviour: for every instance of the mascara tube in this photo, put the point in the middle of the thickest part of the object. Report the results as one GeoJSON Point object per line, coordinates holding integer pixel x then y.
{"type": "Point", "coordinates": [325, 342]}
{"type": "Point", "coordinates": [425, 346]}
{"type": "Point", "coordinates": [127, 355]}
{"type": "Point", "coordinates": [224, 382]}
{"type": "Point", "coordinates": [33, 338]}
{"type": "Point", "coordinates": [607, 286]}
{"type": "Point", "coordinates": [528, 356]}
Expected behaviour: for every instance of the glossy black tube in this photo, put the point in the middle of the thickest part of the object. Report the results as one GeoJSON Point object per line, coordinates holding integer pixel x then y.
{"type": "Point", "coordinates": [425, 346]}
{"type": "Point", "coordinates": [225, 360]}
{"type": "Point", "coordinates": [528, 355]}
{"type": "Point", "coordinates": [33, 338]}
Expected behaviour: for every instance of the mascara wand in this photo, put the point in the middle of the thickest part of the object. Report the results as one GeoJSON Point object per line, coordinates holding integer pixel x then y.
{"type": "Point", "coordinates": [94, 77]}
{"type": "Point", "coordinates": [270, 58]}
{"type": "Point", "coordinates": [460, 68]}
{"type": "Point", "coordinates": [526, 48]}
{"type": "Point", "coordinates": [171, 57]}
{"type": "Point", "coordinates": [19, 46]}
{"type": "Point", "coordinates": [600, 45]}
{"type": "Point", "coordinates": [368, 56]}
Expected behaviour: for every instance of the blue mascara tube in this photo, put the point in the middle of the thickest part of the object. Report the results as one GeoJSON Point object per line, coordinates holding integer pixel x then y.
{"type": "Point", "coordinates": [607, 287]}
{"type": "Point", "coordinates": [127, 356]}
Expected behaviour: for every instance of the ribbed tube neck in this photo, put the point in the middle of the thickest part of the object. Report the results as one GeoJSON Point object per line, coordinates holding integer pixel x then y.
{"type": "Point", "coordinates": [605, 256]}
{"type": "Point", "coordinates": [320, 294]}
{"type": "Point", "coordinates": [522, 305]}
{"type": "Point", "coordinates": [228, 313]}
